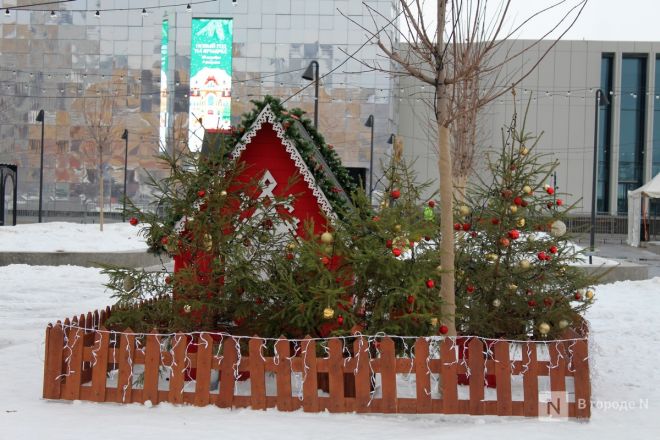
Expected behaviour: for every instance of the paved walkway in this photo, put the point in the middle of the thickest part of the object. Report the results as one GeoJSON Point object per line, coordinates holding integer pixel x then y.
{"type": "Point", "coordinates": [615, 247]}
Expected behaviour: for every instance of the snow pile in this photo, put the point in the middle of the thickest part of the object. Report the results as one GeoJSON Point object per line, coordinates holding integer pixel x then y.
{"type": "Point", "coordinates": [70, 237]}
{"type": "Point", "coordinates": [624, 359]}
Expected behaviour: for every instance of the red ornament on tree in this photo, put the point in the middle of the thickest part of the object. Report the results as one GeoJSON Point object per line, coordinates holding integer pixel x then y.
{"type": "Point", "coordinates": [524, 204]}
{"type": "Point", "coordinates": [553, 249]}
{"type": "Point", "coordinates": [547, 301]}
{"type": "Point", "coordinates": [560, 202]}
{"type": "Point", "coordinates": [504, 242]}
{"type": "Point", "coordinates": [410, 299]}
{"type": "Point", "coordinates": [531, 303]}
{"type": "Point", "coordinates": [432, 203]}
{"type": "Point", "coordinates": [289, 256]}
{"type": "Point", "coordinates": [495, 221]}
{"type": "Point", "coordinates": [542, 256]}
{"type": "Point", "coordinates": [164, 241]}
{"type": "Point", "coordinates": [550, 190]}
{"type": "Point", "coordinates": [340, 320]}
{"type": "Point", "coordinates": [466, 226]}
{"type": "Point", "coordinates": [518, 201]}
{"type": "Point", "coordinates": [470, 289]}
{"type": "Point", "coordinates": [457, 226]}
{"type": "Point", "coordinates": [443, 330]}
{"type": "Point", "coordinates": [430, 284]}
{"type": "Point", "coordinates": [325, 261]}
{"type": "Point", "coordinates": [133, 221]}
{"type": "Point", "coordinates": [578, 296]}
{"type": "Point", "coordinates": [388, 244]}
{"type": "Point", "coordinates": [395, 194]}
{"type": "Point", "coordinates": [549, 205]}
{"type": "Point", "coordinates": [396, 252]}
{"type": "Point", "coordinates": [514, 234]}
{"type": "Point", "coordinates": [201, 193]}
{"type": "Point", "coordinates": [168, 280]}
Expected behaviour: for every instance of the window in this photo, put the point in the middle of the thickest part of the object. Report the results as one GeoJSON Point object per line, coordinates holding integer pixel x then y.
{"type": "Point", "coordinates": [656, 121]}
{"type": "Point", "coordinates": [604, 135]}
{"type": "Point", "coordinates": [631, 139]}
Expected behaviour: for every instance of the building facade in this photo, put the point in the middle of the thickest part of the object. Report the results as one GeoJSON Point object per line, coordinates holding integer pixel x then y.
{"type": "Point", "coordinates": [86, 57]}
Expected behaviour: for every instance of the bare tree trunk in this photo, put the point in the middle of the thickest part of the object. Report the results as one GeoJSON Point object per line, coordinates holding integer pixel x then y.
{"type": "Point", "coordinates": [460, 186]}
{"type": "Point", "coordinates": [101, 197]}
{"type": "Point", "coordinates": [446, 228]}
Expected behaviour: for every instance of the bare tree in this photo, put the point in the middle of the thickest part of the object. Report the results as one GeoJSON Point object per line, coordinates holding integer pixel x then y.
{"type": "Point", "coordinates": [454, 55]}
{"type": "Point", "coordinates": [99, 114]}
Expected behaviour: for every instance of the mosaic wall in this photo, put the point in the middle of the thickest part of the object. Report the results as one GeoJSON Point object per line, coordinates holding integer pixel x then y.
{"type": "Point", "coordinates": [75, 63]}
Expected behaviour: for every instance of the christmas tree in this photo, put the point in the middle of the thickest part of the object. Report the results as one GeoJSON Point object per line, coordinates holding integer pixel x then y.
{"type": "Point", "coordinates": [514, 272]}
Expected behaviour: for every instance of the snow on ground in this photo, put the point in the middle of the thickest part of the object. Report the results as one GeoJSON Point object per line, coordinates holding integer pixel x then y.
{"type": "Point", "coordinates": [70, 237]}
{"type": "Point", "coordinates": [624, 359]}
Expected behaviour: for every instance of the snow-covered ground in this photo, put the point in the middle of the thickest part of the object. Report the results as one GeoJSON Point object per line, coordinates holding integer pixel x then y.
{"type": "Point", "coordinates": [625, 356]}
{"type": "Point", "coordinates": [70, 237]}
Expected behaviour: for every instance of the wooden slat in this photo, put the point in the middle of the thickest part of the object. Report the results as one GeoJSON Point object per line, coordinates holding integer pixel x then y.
{"type": "Point", "coordinates": [559, 399]}
{"type": "Point", "coordinates": [422, 376]}
{"type": "Point", "coordinates": [336, 375]}
{"type": "Point", "coordinates": [448, 377]}
{"type": "Point", "coordinates": [227, 380]}
{"type": "Point", "coordinates": [125, 358]}
{"type": "Point", "coordinates": [310, 393]}
{"type": "Point", "coordinates": [363, 376]}
{"type": "Point", "coordinates": [100, 365]}
{"type": "Point", "coordinates": [257, 375]}
{"type": "Point", "coordinates": [582, 384]}
{"type": "Point", "coordinates": [530, 380]}
{"type": "Point", "coordinates": [96, 318]}
{"type": "Point", "coordinates": [283, 375]}
{"type": "Point", "coordinates": [503, 378]}
{"type": "Point", "coordinates": [151, 367]}
{"type": "Point", "coordinates": [74, 352]}
{"type": "Point", "coordinates": [53, 362]}
{"type": "Point", "coordinates": [388, 375]}
{"type": "Point", "coordinates": [177, 377]}
{"type": "Point", "coordinates": [203, 377]}
{"type": "Point", "coordinates": [477, 379]}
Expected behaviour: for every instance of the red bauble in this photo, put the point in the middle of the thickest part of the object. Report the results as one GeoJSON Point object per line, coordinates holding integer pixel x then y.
{"type": "Point", "coordinates": [427, 238]}
{"type": "Point", "coordinates": [289, 256]}
{"type": "Point", "coordinates": [495, 221]}
{"type": "Point", "coordinates": [201, 193]}
{"type": "Point", "coordinates": [168, 280]}
{"type": "Point", "coordinates": [340, 320]}
{"type": "Point", "coordinates": [542, 256]}
{"type": "Point", "coordinates": [430, 284]}
{"type": "Point", "coordinates": [518, 201]}
{"type": "Point", "coordinates": [470, 289]}
{"type": "Point", "coordinates": [549, 205]}
{"type": "Point", "coordinates": [531, 303]}
{"type": "Point", "coordinates": [514, 234]}
{"type": "Point", "coordinates": [457, 226]}
{"type": "Point", "coordinates": [504, 242]}
{"type": "Point", "coordinates": [432, 203]}
{"type": "Point", "coordinates": [443, 329]}
{"type": "Point", "coordinates": [547, 301]}
{"type": "Point", "coordinates": [258, 301]}
{"type": "Point", "coordinates": [524, 204]}
{"type": "Point", "coordinates": [396, 252]}
{"type": "Point", "coordinates": [325, 261]}
{"type": "Point", "coordinates": [133, 221]}
{"type": "Point", "coordinates": [553, 249]}
{"type": "Point", "coordinates": [376, 218]}
{"type": "Point", "coordinates": [466, 226]}
{"type": "Point", "coordinates": [395, 194]}
{"type": "Point", "coordinates": [507, 193]}
{"type": "Point", "coordinates": [473, 234]}
{"type": "Point", "coordinates": [164, 241]}
{"type": "Point", "coordinates": [550, 190]}
{"type": "Point", "coordinates": [578, 297]}
{"type": "Point", "coordinates": [388, 244]}
{"type": "Point", "coordinates": [410, 299]}
{"type": "Point", "coordinates": [560, 202]}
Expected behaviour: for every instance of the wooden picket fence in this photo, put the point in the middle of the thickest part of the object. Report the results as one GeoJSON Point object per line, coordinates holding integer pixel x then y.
{"type": "Point", "coordinates": [359, 374]}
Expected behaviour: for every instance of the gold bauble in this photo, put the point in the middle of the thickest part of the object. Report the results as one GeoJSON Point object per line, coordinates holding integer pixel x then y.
{"type": "Point", "coordinates": [527, 189]}
{"type": "Point", "coordinates": [464, 210]}
{"type": "Point", "coordinates": [327, 238]}
{"type": "Point", "coordinates": [491, 257]}
{"type": "Point", "coordinates": [544, 328]}
{"type": "Point", "coordinates": [328, 313]}
{"type": "Point", "coordinates": [521, 222]}
{"type": "Point", "coordinates": [187, 308]}
{"type": "Point", "coordinates": [129, 283]}
{"type": "Point", "coordinates": [557, 228]}
{"type": "Point", "coordinates": [497, 302]}
{"type": "Point", "coordinates": [291, 246]}
{"type": "Point", "coordinates": [208, 242]}
{"type": "Point", "coordinates": [397, 228]}
{"type": "Point", "coordinates": [525, 264]}
{"type": "Point", "coordinates": [433, 321]}
{"type": "Point", "coordinates": [563, 324]}
{"type": "Point", "coordinates": [590, 294]}
{"type": "Point", "coordinates": [223, 193]}
{"type": "Point", "coordinates": [438, 269]}
{"type": "Point", "coordinates": [524, 151]}
{"type": "Point", "coordinates": [513, 209]}
{"type": "Point", "coordinates": [512, 287]}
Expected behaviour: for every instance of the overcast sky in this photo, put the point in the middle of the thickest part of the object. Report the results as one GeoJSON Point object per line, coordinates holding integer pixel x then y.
{"type": "Point", "coordinates": [626, 20]}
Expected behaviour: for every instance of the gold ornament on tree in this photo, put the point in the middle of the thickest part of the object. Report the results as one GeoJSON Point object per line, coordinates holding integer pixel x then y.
{"type": "Point", "coordinates": [327, 238]}
{"type": "Point", "coordinates": [128, 283]}
{"type": "Point", "coordinates": [557, 228]}
{"type": "Point", "coordinates": [513, 209]}
{"type": "Point", "coordinates": [521, 222]}
{"type": "Point", "coordinates": [563, 324]}
{"type": "Point", "coordinates": [208, 242]}
{"type": "Point", "coordinates": [328, 313]}
{"type": "Point", "coordinates": [464, 210]}
{"type": "Point", "coordinates": [527, 189]}
{"type": "Point", "coordinates": [544, 328]}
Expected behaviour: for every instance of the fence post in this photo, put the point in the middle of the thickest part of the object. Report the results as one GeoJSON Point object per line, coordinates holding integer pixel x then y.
{"type": "Point", "coordinates": [257, 374]}
{"type": "Point", "coordinates": [476, 363]}
{"type": "Point", "coordinates": [100, 364]}
{"type": "Point", "coordinates": [227, 379]}
{"type": "Point", "coordinates": [363, 376]}
{"type": "Point", "coordinates": [423, 376]}
{"type": "Point", "coordinates": [503, 378]}
{"type": "Point", "coordinates": [126, 356]}
{"type": "Point", "coordinates": [310, 383]}
{"type": "Point", "coordinates": [73, 362]}
{"type": "Point", "coordinates": [388, 375]}
{"type": "Point", "coordinates": [448, 375]}
{"type": "Point", "coordinates": [53, 361]}
{"type": "Point", "coordinates": [530, 380]}
{"type": "Point", "coordinates": [581, 376]}
{"type": "Point", "coordinates": [283, 375]}
{"type": "Point", "coordinates": [336, 375]}
{"type": "Point", "coordinates": [151, 368]}
{"type": "Point", "coordinates": [179, 366]}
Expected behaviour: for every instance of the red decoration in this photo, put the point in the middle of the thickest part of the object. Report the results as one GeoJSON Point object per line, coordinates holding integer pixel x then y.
{"type": "Point", "coordinates": [133, 221]}
{"type": "Point", "coordinates": [518, 201]}
{"type": "Point", "coordinates": [289, 256]}
{"type": "Point", "coordinates": [514, 234]}
{"type": "Point", "coordinates": [550, 190]}
{"type": "Point", "coordinates": [201, 193]}
{"type": "Point", "coordinates": [547, 301]}
{"type": "Point", "coordinates": [495, 221]}
{"type": "Point", "coordinates": [524, 203]}
{"type": "Point", "coordinates": [443, 330]}
{"type": "Point", "coordinates": [560, 202]}
{"type": "Point", "coordinates": [396, 252]}
{"type": "Point", "coordinates": [410, 299]}
{"type": "Point", "coordinates": [549, 205]}
{"type": "Point", "coordinates": [473, 234]}
{"type": "Point", "coordinates": [395, 194]}
{"type": "Point", "coordinates": [578, 297]}
{"type": "Point", "coordinates": [388, 244]}
{"type": "Point", "coordinates": [531, 303]}
{"type": "Point", "coordinates": [507, 193]}
{"type": "Point", "coordinates": [325, 260]}
{"type": "Point", "coordinates": [470, 288]}
{"type": "Point", "coordinates": [168, 280]}
{"type": "Point", "coordinates": [375, 218]}
{"type": "Point", "coordinates": [466, 226]}
{"type": "Point", "coordinates": [432, 203]}
{"type": "Point", "coordinates": [553, 249]}
{"type": "Point", "coordinates": [457, 226]}
{"type": "Point", "coordinates": [504, 242]}
{"type": "Point", "coordinates": [430, 284]}
{"type": "Point", "coordinates": [542, 256]}
{"type": "Point", "coordinates": [164, 241]}
{"type": "Point", "coordinates": [340, 320]}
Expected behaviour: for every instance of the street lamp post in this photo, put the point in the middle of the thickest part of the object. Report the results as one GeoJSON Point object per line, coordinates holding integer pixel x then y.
{"type": "Point", "coordinates": [124, 136]}
{"type": "Point", "coordinates": [312, 74]}
{"type": "Point", "coordinates": [41, 118]}
{"type": "Point", "coordinates": [601, 100]}
{"type": "Point", "coordinates": [370, 124]}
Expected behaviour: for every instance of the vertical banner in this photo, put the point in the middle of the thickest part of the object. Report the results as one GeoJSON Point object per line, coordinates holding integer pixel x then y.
{"type": "Point", "coordinates": [164, 119]}
{"type": "Point", "coordinates": [210, 78]}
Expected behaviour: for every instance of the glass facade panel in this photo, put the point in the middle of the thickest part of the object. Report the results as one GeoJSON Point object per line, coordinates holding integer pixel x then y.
{"type": "Point", "coordinates": [631, 139]}
{"type": "Point", "coordinates": [656, 121]}
{"type": "Point", "coordinates": [604, 135]}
